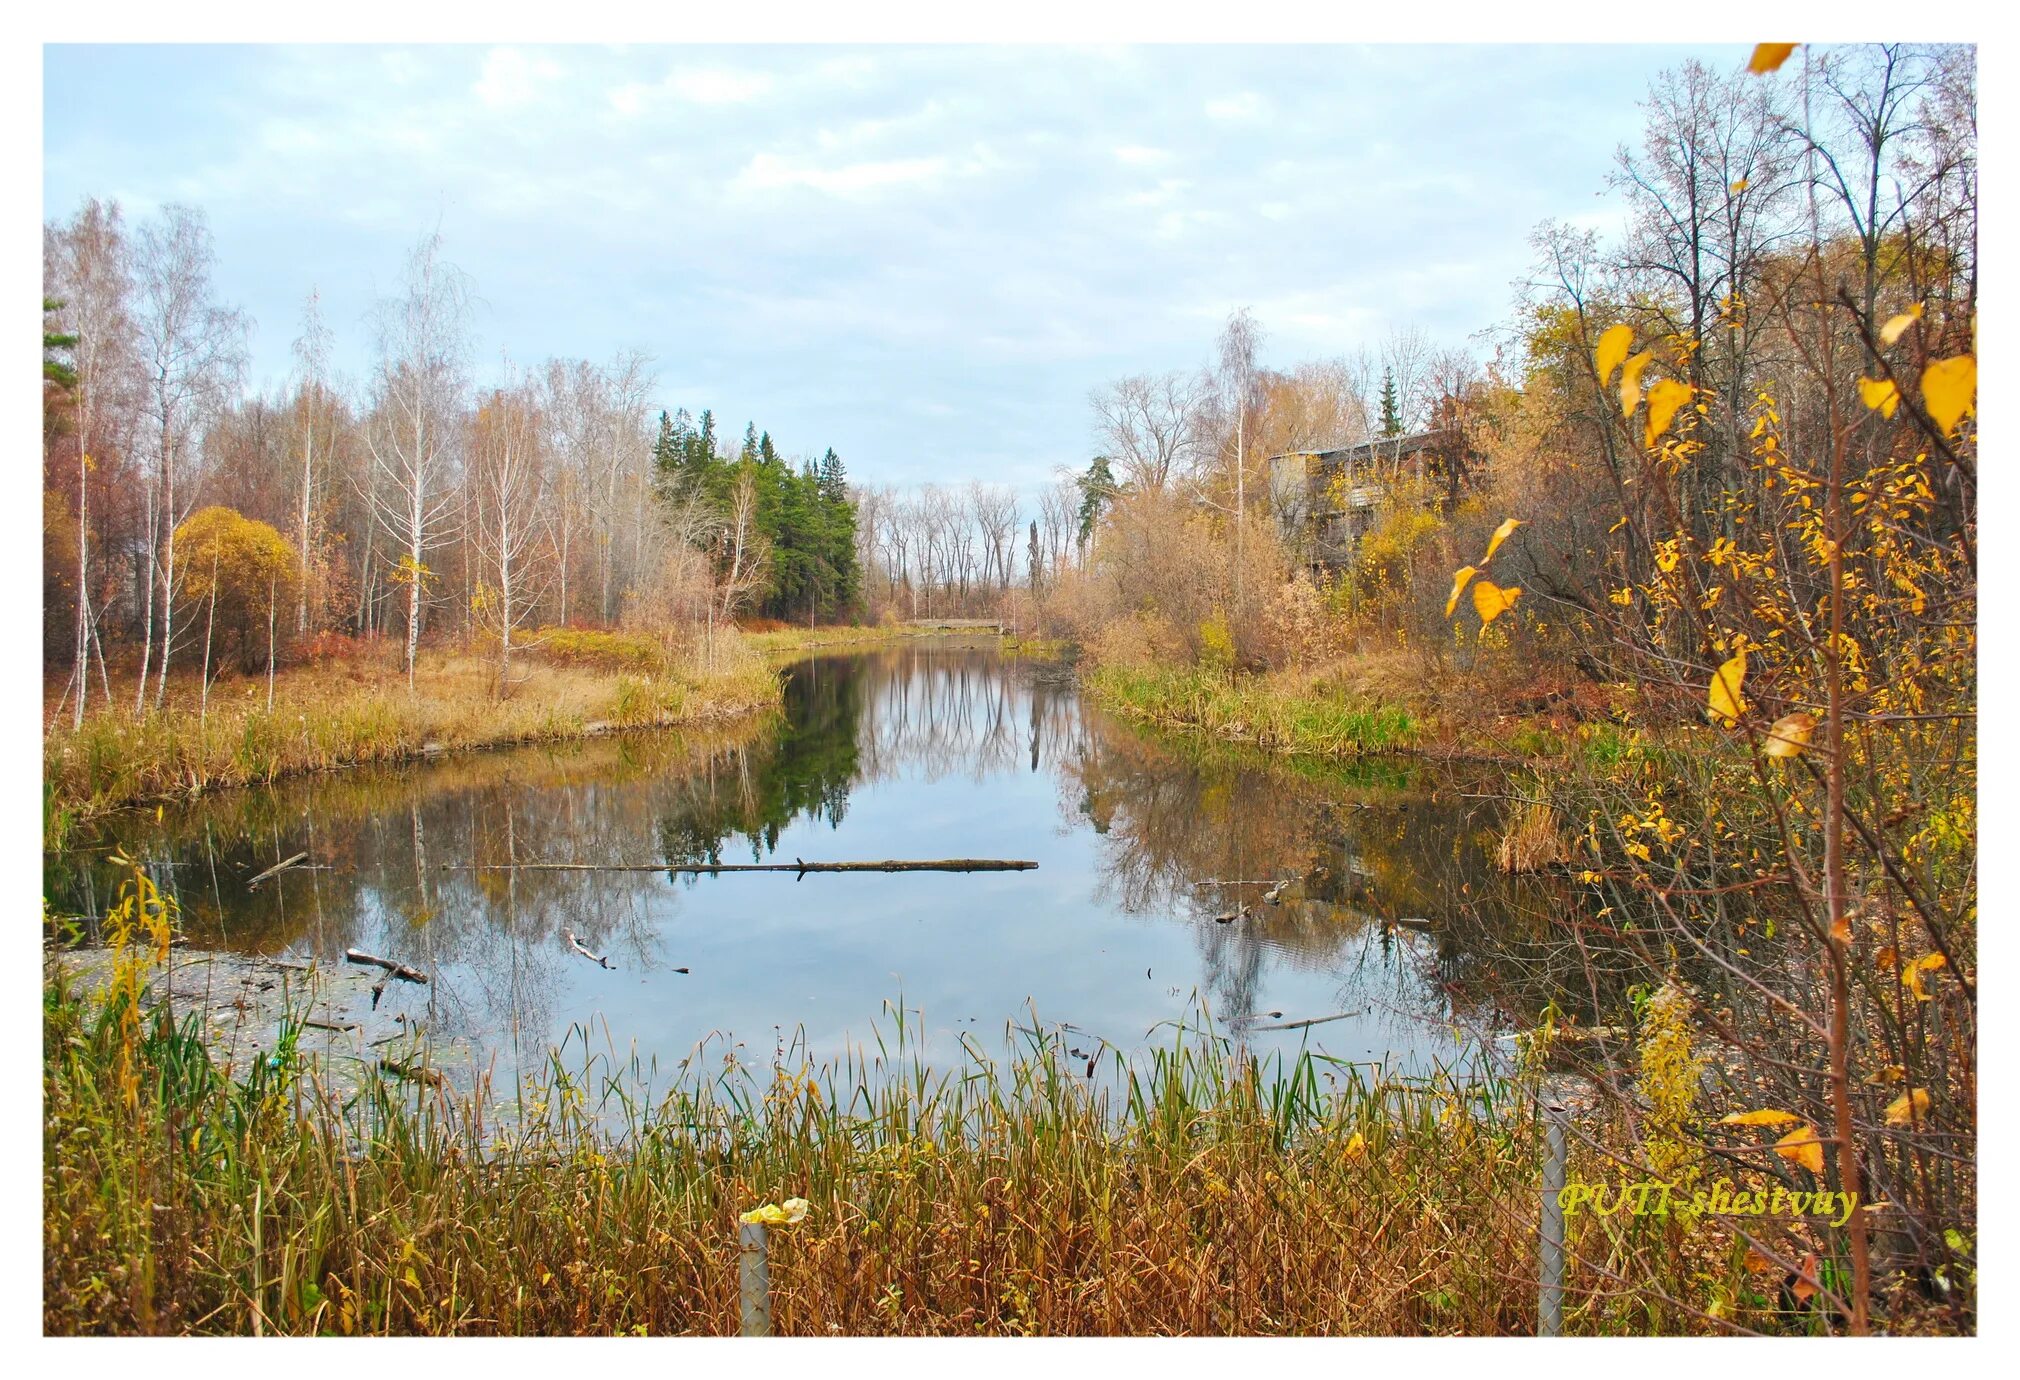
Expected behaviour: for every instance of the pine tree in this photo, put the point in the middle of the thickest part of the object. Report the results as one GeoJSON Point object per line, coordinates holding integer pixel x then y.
{"type": "Point", "coordinates": [834, 479]}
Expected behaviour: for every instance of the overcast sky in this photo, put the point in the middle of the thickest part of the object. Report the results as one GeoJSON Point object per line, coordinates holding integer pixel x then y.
{"type": "Point", "coordinates": [924, 257]}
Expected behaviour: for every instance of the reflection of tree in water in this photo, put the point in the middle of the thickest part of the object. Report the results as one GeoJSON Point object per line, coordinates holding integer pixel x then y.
{"type": "Point", "coordinates": [1374, 862]}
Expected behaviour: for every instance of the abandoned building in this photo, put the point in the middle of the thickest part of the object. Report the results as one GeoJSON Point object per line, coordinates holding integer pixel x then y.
{"type": "Point", "coordinates": [1327, 500]}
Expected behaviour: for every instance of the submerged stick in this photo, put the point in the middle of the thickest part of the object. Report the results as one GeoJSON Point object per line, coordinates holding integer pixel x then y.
{"type": "Point", "coordinates": [398, 970]}
{"type": "Point", "coordinates": [278, 867]}
{"type": "Point", "coordinates": [795, 866]}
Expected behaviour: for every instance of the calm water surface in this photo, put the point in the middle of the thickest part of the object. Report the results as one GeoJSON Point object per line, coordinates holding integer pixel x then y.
{"type": "Point", "coordinates": [1392, 913]}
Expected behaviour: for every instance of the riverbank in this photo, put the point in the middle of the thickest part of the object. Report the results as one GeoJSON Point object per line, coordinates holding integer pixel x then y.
{"type": "Point", "coordinates": [355, 710]}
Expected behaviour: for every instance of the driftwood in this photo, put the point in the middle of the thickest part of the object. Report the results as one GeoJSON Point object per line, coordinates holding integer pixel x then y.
{"type": "Point", "coordinates": [398, 970]}
{"type": "Point", "coordinates": [339, 1026]}
{"type": "Point", "coordinates": [278, 867]}
{"type": "Point", "coordinates": [795, 866]}
{"type": "Point", "coordinates": [568, 938]}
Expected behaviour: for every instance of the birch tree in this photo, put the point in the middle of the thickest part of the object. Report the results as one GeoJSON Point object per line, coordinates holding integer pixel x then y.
{"type": "Point", "coordinates": [86, 266]}
{"type": "Point", "coordinates": [410, 434]}
{"type": "Point", "coordinates": [192, 354]}
{"type": "Point", "coordinates": [506, 484]}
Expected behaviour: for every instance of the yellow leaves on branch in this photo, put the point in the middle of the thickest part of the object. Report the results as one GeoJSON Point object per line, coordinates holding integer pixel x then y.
{"type": "Point", "coordinates": [1490, 601]}
{"type": "Point", "coordinates": [1613, 347]}
{"type": "Point", "coordinates": [1630, 382]}
{"type": "Point", "coordinates": [1800, 1145]}
{"type": "Point", "coordinates": [1663, 401]}
{"type": "Point", "coordinates": [1765, 1117]}
{"type": "Point", "coordinates": [1723, 702]}
{"type": "Point", "coordinates": [1910, 1107]}
{"type": "Point", "coordinates": [1803, 1147]}
{"type": "Point", "coordinates": [1880, 395]}
{"type": "Point", "coordinates": [1896, 325]}
{"type": "Point", "coordinates": [1790, 734]}
{"type": "Point", "coordinates": [1768, 57]}
{"type": "Point", "coordinates": [1950, 390]}
{"type": "Point", "coordinates": [1459, 579]}
{"type": "Point", "coordinates": [1501, 534]}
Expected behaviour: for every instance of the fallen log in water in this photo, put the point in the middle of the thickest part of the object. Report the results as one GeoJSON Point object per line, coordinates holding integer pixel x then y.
{"type": "Point", "coordinates": [398, 970]}
{"type": "Point", "coordinates": [795, 866]}
{"type": "Point", "coordinates": [1300, 1025]}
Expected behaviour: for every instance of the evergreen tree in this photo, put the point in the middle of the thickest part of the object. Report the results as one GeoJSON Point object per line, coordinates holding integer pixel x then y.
{"type": "Point", "coordinates": [834, 479]}
{"type": "Point", "coordinates": [1392, 416]}
{"type": "Point", "coordinates": [59, 371]}
{"type": "Point", "coordinates": [1097, 491]}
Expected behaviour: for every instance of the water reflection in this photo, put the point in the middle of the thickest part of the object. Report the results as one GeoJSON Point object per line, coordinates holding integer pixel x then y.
{"type": "Point", "coordinates": [1167, 876]}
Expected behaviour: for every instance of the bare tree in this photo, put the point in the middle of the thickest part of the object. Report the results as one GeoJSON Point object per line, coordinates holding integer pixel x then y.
{"type": "Point", "coordinates": [312, 404]}
{"type": "Point", "coordinates": [418, 398]}
{"type": "Point", "coordinates": [193, 354]}
{"type": "Point", "coordinates": [1150, 425]}
{"type": "Point", "coordinates": [506, 480]}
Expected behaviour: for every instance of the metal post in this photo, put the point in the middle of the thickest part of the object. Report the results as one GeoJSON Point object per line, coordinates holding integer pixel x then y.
{"type": "Point", "coordinates": [1550, 1272]}
{"type": "Point", "coordinates": [753, 1280]}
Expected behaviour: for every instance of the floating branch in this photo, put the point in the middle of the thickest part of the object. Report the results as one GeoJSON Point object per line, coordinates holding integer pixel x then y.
{"type": "Point", "coordinates": [795, 866]}
{"type": "Point", "coordinates": [568, 938]}
{"type": "Point", "coordinates": [398, 970]}
{"type": "Point", "coordinates": [278, 867]}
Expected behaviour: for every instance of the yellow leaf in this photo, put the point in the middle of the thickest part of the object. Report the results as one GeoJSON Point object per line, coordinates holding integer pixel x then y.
{"type": "Point", "coordinates": [1459, 579]}
{"type": "Point", "coordinates": [1356, 1146]}
{"type": "Point", "coordinates": [1880, 395]}
{"type": "Point", "coordinates": [1769, 56]}
{"type": "Point", "coordinates": [1910, 1107]}
{"type": "Point", "coordinates": [1663, 400]}
{"type": "Point", "coordinates": [1739, 186]}
{"type": "Point", "coordinates": [1613, 347]}
{"type": "Point", "coordinates": [1501, 534]}
{"type": "Point", "coordinates": [1630, 382]}
{"type": "Point", "coordinates": [1950, 389]}
{"type": "Point", "coordinates": [1765, 1117]}
{"type": "Point", "coordinates": [1891, 332]}
{"type": "Point", "coordinates": [1723, 703]}
{"type": "Point", "coordinates": [1802, 1146]}
{"type": "Point", "coordinates": [1790, 734]}
{"type": "Point", "coordinates": [1911, 976]}
{"type": "Point", "coordinates": [1490, 601]}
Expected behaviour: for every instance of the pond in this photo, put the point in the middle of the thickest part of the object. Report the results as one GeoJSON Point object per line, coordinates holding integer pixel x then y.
{"type": "Point", "coordinates": [1147, 906]}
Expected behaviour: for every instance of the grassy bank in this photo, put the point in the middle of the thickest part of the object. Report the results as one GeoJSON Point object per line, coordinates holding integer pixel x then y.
{"type": "Point", "coordinates": [358, 709]}
{"type": "Point", "coordinates": [1288, 713]}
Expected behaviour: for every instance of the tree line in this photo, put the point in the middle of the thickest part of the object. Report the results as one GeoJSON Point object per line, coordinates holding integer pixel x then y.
{"type": "Point", "coordinates": [184, 514]}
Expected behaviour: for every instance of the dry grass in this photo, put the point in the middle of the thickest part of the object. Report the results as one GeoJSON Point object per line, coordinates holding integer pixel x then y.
{"type": "Point", "coordinates": [1204, 1195]}
{"type": "Point", "coordinates": [1533, 840]}
{"type": "Point", "coordinates": [358, 709]}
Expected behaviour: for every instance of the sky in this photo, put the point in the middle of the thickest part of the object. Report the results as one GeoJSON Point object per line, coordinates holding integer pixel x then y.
{"type": "Point", "coordinates": [925, 257]}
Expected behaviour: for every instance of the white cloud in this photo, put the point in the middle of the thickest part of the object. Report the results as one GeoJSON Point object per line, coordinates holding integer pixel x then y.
{"type": "Point", "coordinates": [512, 78]}
{"type": "Point", "coordinates": [718, 85]}
{"type": "Point", "coordinates": [770, 172]}
{"type": "Point", "coordinates": [1246, 106]}
{"type": "Point", "coordinates": [1140, 156]}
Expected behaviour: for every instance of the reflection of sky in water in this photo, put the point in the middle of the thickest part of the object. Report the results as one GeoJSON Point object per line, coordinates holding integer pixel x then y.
{"type": "Point", "coordinates": [922, 752]}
